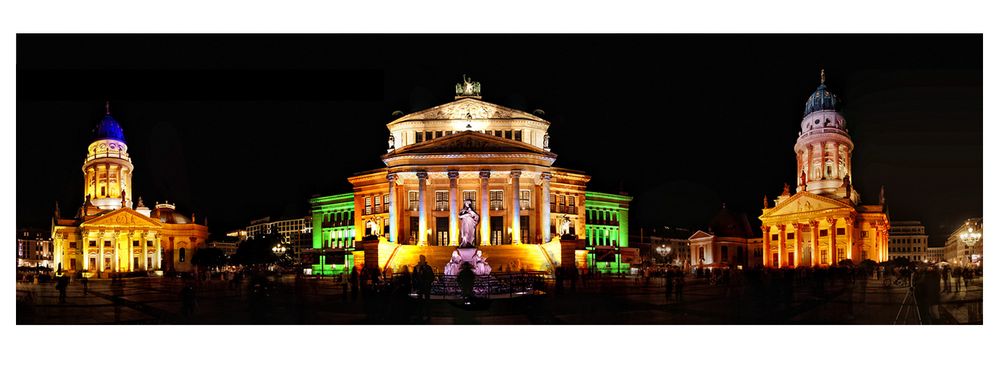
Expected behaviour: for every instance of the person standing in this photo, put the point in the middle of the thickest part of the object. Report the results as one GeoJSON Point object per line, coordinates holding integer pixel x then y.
{"type": "Point", "coordinates": [61, 284]}
{"type": "Point", "coordinates": [354, 280]}
{"type": "Point", "coordinates": [84, 281]}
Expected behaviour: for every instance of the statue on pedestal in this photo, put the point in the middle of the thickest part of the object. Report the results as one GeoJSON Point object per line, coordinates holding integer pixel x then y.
{"type": "Point", "coordinates": [468, 220]}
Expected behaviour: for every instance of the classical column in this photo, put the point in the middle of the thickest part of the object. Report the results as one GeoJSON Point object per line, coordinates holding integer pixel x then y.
{"type": "Point", "coordinates": [808, 165]}
{"type": "Point", "coordinates": [546, 209]}
{"type": "Point", "coordinates": [798, 229]}
{"type": "Point", "coordinates": [832, 241]}
{"type": "Point", "coordinates": [849, 237]}
{"type": "Point", "coordinates": [145, 252]}
{"type": "Point", "coordinates": [766, 245]}
{"type": "Point", "coordinates": [114, 254]}
{"type": "Point", "coordinates": [100, 259]}
{"type": "Point", "coordinates": [422, 210]}
{"type": "Point", "coordinates": [484, 208]}
{"type": "Point", "coordinates": [452, 233]}
{"type": "Point", "coordinates": [157, 259]}
{"type": "Point", "coordinates": [814, 226]}
{"type": "Point", "coordinates": [515, 176]}
{"type": "Point", "coordinates": [782, 249]}
{"type": "Point", "coordinates": [130, 252]}
{"type": "Point", "coordinates": [836, 161]}
{"type": "Point", "coordinates": [393, 209]}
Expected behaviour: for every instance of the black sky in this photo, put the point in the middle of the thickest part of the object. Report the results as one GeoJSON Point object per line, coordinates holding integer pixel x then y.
{"type": "Point", "coordinates": [236, 127]}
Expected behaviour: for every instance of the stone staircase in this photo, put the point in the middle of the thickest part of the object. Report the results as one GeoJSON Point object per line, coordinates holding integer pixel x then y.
{"type": "Point", "coordinates": [529, 256]}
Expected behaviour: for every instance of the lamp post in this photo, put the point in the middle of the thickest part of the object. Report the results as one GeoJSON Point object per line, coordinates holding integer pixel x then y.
{"type": "Point", "coordinates": [970, 237]}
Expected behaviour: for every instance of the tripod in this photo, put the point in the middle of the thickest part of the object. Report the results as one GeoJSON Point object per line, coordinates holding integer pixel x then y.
{"type": "Point", "coordinates": [908, 308]}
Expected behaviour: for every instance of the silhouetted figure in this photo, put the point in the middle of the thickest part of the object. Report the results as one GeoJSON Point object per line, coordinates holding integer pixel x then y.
{"type": "Point", "coordinates": [669, 285]}
{"type": "Point", "coordinates": [573, 276]}
{"type": "Point", "coordinates": [85, 282]}
{"type": "Point", "coordinates": [466, 280]}
{"type": "Point", "coordinates": [558, 280]}
{"type": "Point", "coordinates": [188, 300]}
{"type": "Point", "coordinates": [61, 284]}
{"type": "Point", "coordinates": [353, 280]}
{"type": "Point", "coordinates": [679, 287]}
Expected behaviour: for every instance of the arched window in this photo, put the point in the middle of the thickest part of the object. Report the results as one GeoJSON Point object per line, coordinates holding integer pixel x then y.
{"type": "Point", "coordinates": [183, 254]}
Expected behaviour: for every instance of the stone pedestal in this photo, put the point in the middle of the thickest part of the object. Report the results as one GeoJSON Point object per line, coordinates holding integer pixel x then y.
{"type": "Point", "coordinates": [370, 252]}
{"type": "Point", "coordinates": [471, 255]}
{"type": "Point", "coordinates": [569, 247]}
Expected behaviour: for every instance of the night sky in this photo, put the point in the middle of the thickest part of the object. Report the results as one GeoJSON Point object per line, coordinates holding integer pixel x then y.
{"type": "Point", "coordinates": [237, 127]}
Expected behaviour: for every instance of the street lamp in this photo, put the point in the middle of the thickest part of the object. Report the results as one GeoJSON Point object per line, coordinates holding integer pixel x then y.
{"type": "Point", "coordinates": [970, 237]}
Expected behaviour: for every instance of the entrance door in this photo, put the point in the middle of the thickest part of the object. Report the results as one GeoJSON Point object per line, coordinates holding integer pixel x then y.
{"type": "Point", "coordinates": [525, 229]}
{"type": "Point", "coordinates": [442, 231]}
{"type": "Point", "coordinates": [790, 259]}
{"type": "Point", "coordinates": [775, 261]}
{"type": "Point", "coordinates": [496, 230]}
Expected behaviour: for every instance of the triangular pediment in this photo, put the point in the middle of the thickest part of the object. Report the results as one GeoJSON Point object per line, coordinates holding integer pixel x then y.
{"type": "Point", "coordinates": [125, 217]}
{"type": "Point", "coordinates": [700, 234]}
{"type": "Point", "coordinates": [467, 108]}
{"type": "Point", "coordinates": [803, 202]}
{"type": "Point", "coordinates": [469, 142]}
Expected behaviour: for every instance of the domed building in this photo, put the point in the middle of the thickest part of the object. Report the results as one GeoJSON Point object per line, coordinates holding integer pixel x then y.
{"type": "Point", "coordinates": [494, 157]}
{"type": "Point", "coordinates": [107, 234]}
{"type": "Point", "coordinates": [824, 221]}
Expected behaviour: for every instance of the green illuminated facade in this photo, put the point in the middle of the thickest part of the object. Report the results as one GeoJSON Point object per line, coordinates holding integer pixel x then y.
{"type": "Point", "coordinates": [606, 231]}
{"type": "Point", "coordinates": [333, 233]}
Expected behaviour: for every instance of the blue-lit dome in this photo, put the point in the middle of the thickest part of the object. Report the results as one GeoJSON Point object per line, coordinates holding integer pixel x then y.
{"type": "Point", "coordinates": [109, 128]}
{"type": "Point", "coordinates": [821, 99]}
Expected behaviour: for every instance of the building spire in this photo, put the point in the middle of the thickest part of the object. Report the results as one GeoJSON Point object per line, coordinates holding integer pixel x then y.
{"type": "Point", "coordinates": [822, 76]}
{"type": "Point", "coordinates": [107, 107]}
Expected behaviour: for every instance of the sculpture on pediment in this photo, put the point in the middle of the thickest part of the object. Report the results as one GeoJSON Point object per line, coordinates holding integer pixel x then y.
{"type": "Point", "coordinates": [372, 228]}
{"type": "Point", "coordinates": [546, 141]}
{"type": "Point", "coordinates": [846, 183]}
{"type": "Point", "coordinates": [468, 87]}
{"type": "Point", "coordinates": [787, 190]}
{"type": "Point", "coordinates": [391, 142]}
{"type": "Point", "coordinates": [766, 202]}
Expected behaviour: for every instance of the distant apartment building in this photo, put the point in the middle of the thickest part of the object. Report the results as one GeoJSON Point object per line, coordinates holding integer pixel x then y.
{"type": "Point", "coordinates": [34, 248]}
{"type": "Point", "coordinates": [907, 239]}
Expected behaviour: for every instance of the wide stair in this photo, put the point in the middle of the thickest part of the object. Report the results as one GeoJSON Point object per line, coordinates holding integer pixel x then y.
{"type": "Point", "coordinates": [510, 257]}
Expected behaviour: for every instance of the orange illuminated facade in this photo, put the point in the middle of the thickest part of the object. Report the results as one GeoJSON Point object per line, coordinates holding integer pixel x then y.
{"type": "Point", "coordinates": [823, 222]}
{"type": "Point", "coordinates": [109, 235]}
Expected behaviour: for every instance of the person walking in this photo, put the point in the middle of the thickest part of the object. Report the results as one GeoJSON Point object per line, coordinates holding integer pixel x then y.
{"type": "Point", "coordinates": [61, 284]}
{"type": "Point", "coordinates": [669, 285]}
{"type": "Point", "coordinates": [679, 287]}
{"type": "Point", "coordinates": [84, 281]}
{"type": "Point", "coordinates": [353, 280]}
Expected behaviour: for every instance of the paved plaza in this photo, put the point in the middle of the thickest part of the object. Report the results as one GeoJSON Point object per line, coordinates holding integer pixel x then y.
{"type": "Point", "coordinates": [609, 300]}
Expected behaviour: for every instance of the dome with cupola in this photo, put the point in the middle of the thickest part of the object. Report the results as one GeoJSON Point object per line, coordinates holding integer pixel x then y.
{"type": "Point", "coordinates": [108, 128]}
{"type": "Point", "coordinates": [822, 99]}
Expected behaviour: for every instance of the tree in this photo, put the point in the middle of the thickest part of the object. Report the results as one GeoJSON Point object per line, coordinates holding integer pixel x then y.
{"type": "Point", "coordinates": [207, 258]}
{"type": "Point", "coordinates": [258, 251]}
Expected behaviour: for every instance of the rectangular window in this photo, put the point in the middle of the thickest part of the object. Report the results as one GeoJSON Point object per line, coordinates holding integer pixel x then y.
{"type": "Point", "coordinates": [72, 245]}
{"type": "Point", "coordinates": [107, 243]}
{"type": "Point", "coordinates": [824, 233]}
{"type": "Point", "coordinates": [841, 231]}
{"type": "Point", "coordinates": [135, 243]}
{"type": "Point", "coordinates": [438, 134]}
{"type": "Point", "coordinates": [93, 243]}
{"type": "Point", "coordinates": [385, 201]}
{"type": "Point", "coordinates": [790, 236]}
{"type": "Point", "coordinates": [429, 135]}
{"type": "Point", "coordinates": [551, 202]}
{"type": "Point", "coordinates": [496, 199]}
{"type": "Point", "coordinates": [839, 253]}
{"type": "Point", "coordinates": [825, 257]}
{"type": "Point", "coordinates": [509, 134]}
{"type": "Point", "coordinates": [378, 204]}
{"type": "Point", "coordinates": [863, 234]}
{"type": "Point", "coordinates": [774, 237]}
{"type": "Point", "coordinates": [468, 195]}
{"type": "Point", "coordinates": [419, 137]}
{"type": "Point", "coordinates": [572, 204]}
{"type": "Point", "coordinates": [525, 199]}
{"type": "Point", "coordinates": [724, 253]}
{"type": "Point", "coordinates": [517, 135]}
{"type": "Point", "coordinates": [440, 200]}
{"type": "Point", "coordinates": [149, 243]}
{"type": "Point", "coordinates": [498, 133]}
{"type": "Point", "coordinates": [561, 203]}
{"type": "Point", "coordinates": [414, 200]}
{"type": "Point", "coordinates": [367, 205]}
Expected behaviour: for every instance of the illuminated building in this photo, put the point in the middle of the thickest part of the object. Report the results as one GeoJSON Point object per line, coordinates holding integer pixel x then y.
{"type": "Point", "coordinates": [824, 221]}
{"type": "Point", "coordinates": [907, 239]}
{"type": "Point", "coordinates": [107, 235]}
{"type": "Point", "coordinates": [295, 232]}
{"type": "Point", "coordinates": [729, 241]}
{"type": "Point", "coordinates": [964, 252]}
{"type": "Point", "coordinates": [935, 254]}
{"type": "Point", "coordinates": [34, 248]}
{"type": "Point", "coordinates": [468, 149]}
